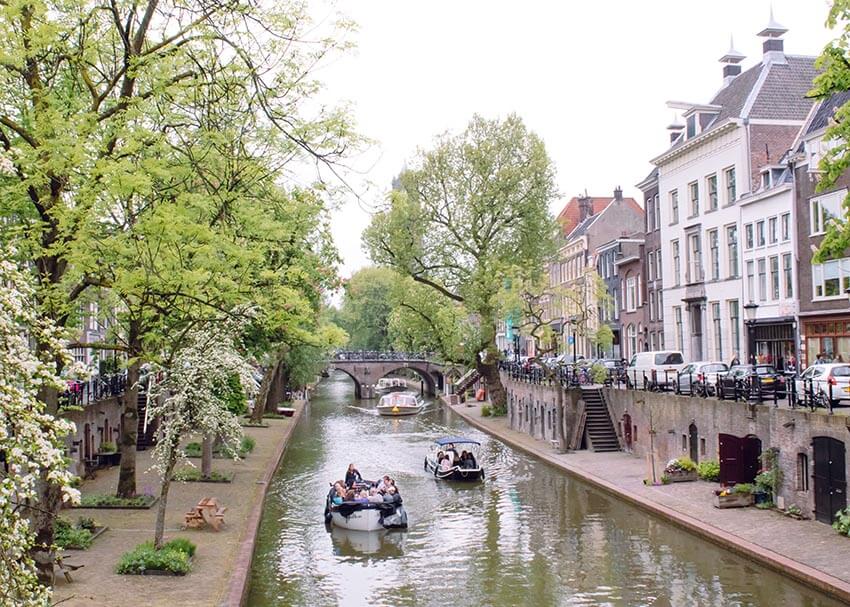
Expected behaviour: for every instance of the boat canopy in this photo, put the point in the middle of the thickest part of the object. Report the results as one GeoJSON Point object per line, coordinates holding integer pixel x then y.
{"type": "Point", "coordinates": [403, 399]}
{"type": "Point", "coordinates": [457, 440]}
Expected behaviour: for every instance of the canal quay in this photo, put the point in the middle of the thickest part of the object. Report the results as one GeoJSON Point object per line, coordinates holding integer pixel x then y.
{"type": "Point", "coordinates": [530, 534]}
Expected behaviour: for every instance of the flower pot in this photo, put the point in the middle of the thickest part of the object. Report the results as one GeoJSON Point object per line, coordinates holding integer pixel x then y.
{"type": "Point", "coordinates": [761, 497]}
{"type": "Point", "coordinates": [681, 476]}
{"type": "Point", "coordinates": [733, 500]}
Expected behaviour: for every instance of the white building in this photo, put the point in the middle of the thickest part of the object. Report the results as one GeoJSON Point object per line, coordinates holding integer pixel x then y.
{"type": "Point", "coordinates": [715, 159]}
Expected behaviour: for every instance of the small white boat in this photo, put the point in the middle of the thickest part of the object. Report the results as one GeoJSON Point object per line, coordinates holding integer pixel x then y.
{"type": "Point", "coordinates": [400, 403]}
{"type": "Point", "coordinates": [388, 384]}
{"type": "Point", "coordinates": [366, 516]}
{"type": "Point", "coordinates": [458, 468]}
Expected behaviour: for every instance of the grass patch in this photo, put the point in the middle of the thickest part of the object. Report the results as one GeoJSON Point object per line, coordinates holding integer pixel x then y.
{"type": "Point", "coordinates": [71, 537]}
{"type": "Point", "coordinates": [173, 558]}
{"type": "Point", "coordinates": [95, 500]}
{"type": "Point", "coordinates": [194, 475]}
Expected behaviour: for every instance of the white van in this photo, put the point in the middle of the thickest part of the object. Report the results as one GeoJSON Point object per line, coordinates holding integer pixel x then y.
{"type": "Point", "coordinates": [657, 368]}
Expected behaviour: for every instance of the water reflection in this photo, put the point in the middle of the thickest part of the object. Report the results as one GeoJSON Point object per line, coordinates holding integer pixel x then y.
{"type": "Point", "coordinates": [528, 535]}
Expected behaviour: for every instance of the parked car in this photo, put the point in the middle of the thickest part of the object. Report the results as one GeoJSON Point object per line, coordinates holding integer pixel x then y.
{"type": "Point", "coordinates": [658, 368]}
{"type": "Point", "coordinates": [700, 378]}
{"type": "Point", "coordinates": [827, 381]}
{"type": "Point", "coordinates": [750, 379]}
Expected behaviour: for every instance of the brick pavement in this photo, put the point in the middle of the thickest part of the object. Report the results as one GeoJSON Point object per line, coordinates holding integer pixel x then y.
{"type": "Point", "coordinates": [809, 551]}
{"type": "Point", "coordinates": [218, 563]}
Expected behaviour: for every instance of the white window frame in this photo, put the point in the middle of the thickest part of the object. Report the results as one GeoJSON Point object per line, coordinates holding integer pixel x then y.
{"type": "Point", "coordinates": [713, 197]}
{"type": "Point", "coordinates": [818, 223]}
{"type": "Point", "coordinates": [693, 198]}
{"type": "Point", "coordinates": [674, 206]}
{"type": "Point", "coordinates": [843, 266]}
{"type": "Point", "coordinates": [631, 294]}
{"type": "Point", "coordinates": [729, 179]}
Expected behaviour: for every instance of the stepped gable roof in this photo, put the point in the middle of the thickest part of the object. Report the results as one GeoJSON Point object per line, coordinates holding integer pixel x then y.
{"type": "Point", "coordinates": [826, 108]}
{"type": "Point", "coordinates": [570, 214]}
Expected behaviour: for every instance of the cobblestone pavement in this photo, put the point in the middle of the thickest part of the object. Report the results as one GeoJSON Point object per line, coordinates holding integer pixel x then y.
{"type": "Point", "coordinates": [207, 584]}
{"type": "Point", "coordinates": [814, 549]}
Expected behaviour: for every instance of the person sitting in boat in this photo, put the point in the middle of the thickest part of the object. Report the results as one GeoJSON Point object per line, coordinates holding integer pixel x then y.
{"type": "Point", "coordinates": [352, 476]}
{"type": "Point", "coordinates": [392, 495]}
{"type": "Point", "coordinates": [446, 463]}
{"type": "Point", "coordinates": [385, 482]}
{"type": "Point", "coordinates": [374, 496]}
{"type": "Point", "coordinates": [470, 460]}
{"type": "Point", "coordinates": [338, 493]}
{"type": "Point", "coordinates": [362, 497]}
{"type": "Point", "coordinates": [451, 453]}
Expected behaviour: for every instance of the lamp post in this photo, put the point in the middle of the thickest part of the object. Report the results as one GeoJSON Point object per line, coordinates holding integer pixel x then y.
{"type": "Point", "coordinates": [750, 314]}
{"type": "Point", "coordinates": [574, 322]}
{"type": "Point", "coordinates": [515, 333]}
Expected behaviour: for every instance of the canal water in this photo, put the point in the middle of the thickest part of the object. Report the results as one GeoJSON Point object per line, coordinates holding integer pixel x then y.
{"type": "Point", "coordinates": [527, 535]}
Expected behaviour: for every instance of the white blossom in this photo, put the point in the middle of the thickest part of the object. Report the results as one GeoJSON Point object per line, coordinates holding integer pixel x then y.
{"type": "Point", "coordinates": [30, 439]}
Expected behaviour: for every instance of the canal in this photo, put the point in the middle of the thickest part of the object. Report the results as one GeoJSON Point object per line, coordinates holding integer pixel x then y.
{"type": "Point", "coordinates": [528, 535]}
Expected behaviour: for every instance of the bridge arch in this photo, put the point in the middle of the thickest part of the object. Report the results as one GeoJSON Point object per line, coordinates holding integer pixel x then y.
{"type": "Point", "coordinates": [366, 373]}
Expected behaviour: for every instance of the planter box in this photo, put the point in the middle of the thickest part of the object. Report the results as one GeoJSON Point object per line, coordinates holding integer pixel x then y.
{"type": "Point", "coordinates": [113, 458]}
{"type": "Point", "coordinates": [227, 479]}
{"type": "Point", "coordinates": [682, 477]}
{"type": "Point", "coordinates": [145, 506]}
{"type": "Point", "coordinates": [98, 531]}
{"type": "Point", "coordinates": [733, 500]}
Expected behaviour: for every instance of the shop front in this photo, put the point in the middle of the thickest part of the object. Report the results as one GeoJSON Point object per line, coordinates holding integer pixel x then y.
{"type": "Point", "coordinates": [826, 339]}
{"type": "Point", "coordinates": [774, 342]}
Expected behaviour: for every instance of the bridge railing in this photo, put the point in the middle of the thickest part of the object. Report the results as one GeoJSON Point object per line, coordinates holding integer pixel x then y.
{"type": "Point", "coordinates": [372, 355]}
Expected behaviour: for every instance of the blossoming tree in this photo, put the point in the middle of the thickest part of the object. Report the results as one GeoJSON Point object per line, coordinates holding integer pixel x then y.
{"type": "Point", "coordinates": [188, 398]}
{"type": "Point", "coordinates": [30, 439]}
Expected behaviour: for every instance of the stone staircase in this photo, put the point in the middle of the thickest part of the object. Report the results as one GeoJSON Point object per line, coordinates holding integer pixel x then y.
{"type": "Point", "coordinates": [144, 440]}
{"type": "Point", "coordinates": [468, 378]}
{"type": "Point", "coordinates": [600, 431]}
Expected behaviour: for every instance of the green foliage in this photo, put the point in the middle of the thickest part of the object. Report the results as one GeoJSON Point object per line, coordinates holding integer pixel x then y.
{"type": "Point", "coordinates": [486, 411]}
{"type": "Point", "coordinates": [247, 444]}
{"type": "Point", "coordinates": [793, 510]}
{"type": "Point", "coordinates": [709, 470]}
{"type": "Point", "coordinates": [604, 337]}
{"type": "Point", "coordinates": [768, 505]}
{"type": "Point", "coordinates": [86, 522]}
{"type": "Point", "coordinates": [665, 480]}
{"type": "Point", "coordinates": [108, 447]}
{"type": "Point", "coordinates": [233, 395]}
{"type": "Point", "coordinates": [95, 500]}
{"type": "Point", "coordinates": [193, 449]}
{"type": "Point", "coordinates": [173, 556]}
{"type": "Point", "coordinates": [366, 308]}
{"type": "Point", "coordinates": [73, 538]}
{"type": "Point", "coordinates": [188, 475]}
{"type": "Point", "coordinates": [770, 478]}
{"type": "Point", "coordinates": [842, 522]}
{"type": "Point", "coordinates": [681, 464]}
{"type": "Point", "coordinates": [599, 373]}
{"type": "Point", "coordinates": [744, 488]}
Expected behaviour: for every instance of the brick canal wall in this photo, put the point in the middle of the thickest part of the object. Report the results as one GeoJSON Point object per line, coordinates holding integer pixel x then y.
{"type": "Point", "coordinates": [689, 426]}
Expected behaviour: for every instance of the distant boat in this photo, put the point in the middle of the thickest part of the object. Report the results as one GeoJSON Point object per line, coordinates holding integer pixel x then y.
{"type": "Point", "coordinates": [400, 403]}
{"type": "Point", "coordinates": [388, 384]}
{"type": "Point", "coordinates": [452, 447]}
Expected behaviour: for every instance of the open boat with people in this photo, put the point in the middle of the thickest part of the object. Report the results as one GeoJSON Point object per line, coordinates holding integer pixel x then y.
{"type": "Point", "coordinates": [455, 458]}
{"type": "Point", "coordinates": [400, 403]}
{"type": "Point", "coordinates": [365, 506]}
{"type": "Point", "coordinates": [388, 384]}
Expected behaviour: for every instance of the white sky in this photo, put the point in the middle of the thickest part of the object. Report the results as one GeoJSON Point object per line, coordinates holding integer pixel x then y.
{"type": "Point", "coordinates": [590, 78]}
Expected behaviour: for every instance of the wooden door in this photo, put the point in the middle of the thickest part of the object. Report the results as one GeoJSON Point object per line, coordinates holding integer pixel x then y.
{"type": "Point", "coordinates": [730, 459]}
{"type": "Point", "coordinates": [830, 478]}
{"type": "Point", "coordinates": [750, 458]}
{"type": "Point", "coordinates": [693, 442]}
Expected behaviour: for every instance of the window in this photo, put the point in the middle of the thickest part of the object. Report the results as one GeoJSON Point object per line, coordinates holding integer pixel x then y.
{"type": "Point", "coordinates": [718, 337]}
{"type": "Point", "coordinates": [802, 472]}
{"type": "Point", "coordinates": [714, 245]}
{"type": "Point", "coordinates": [660, 310]}
{"type": "Point", "coordinates": [760, 233]}
{"type": "Point", "coordinates": [762, 264]}
{"type": "Point", "coordinates": [732, 243]}
{"type": "Point", "coordinates": [751, 288]}
{"type": "Point", "coordinates": [711, 186]}
{"type": "Point", "coordinates": [680, 338]}
{"type": "Point", "coordinates": [774, 277]}
{"type": "Point", "coordinates": [788, 276]}
{"type": "Point", "coordinates": [657, 204]}
{"type": "Point", "coordinates": [652, 341]}
{"type": "Point", "coordinates": [658, 264]}
{"type": "Point", "coordinates": [676, 267]}
{"type": "Point", "coordinates": [748, 236]}
{"type": "Point", "coordinates": [731, 192]}
{"type": "Point", "coordinates": [786, 226]}
{"type": "Point", "coordinates": [831, 279]}
{"type": "Point", "coordinates": [693, 191]}
{"type": "Point", "coordinates": [632, 333]}
{"type": "Point", "coordinates": [652, 305]}
{"type": "Point", "coordinates": [733, 322]}
{"type": "Point", "coordinates": [650, 265]}
{"type": "Point", "coordinates": [765, 180]}
{"type": "Point", "coordinates": [772, 236]}
{"type": "Point", "coordinates": [825, 208]}
{"type": "Point", "coordinates": [695, 268]}
{"type": "Point", "coordinates": [631, 294]}
{"type": "Point", "coordinates": [650, 214]}
{"type": "Point", "coordinates": [674, 206]}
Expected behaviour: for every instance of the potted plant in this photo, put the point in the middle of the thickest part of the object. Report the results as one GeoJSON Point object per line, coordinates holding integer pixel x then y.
{"type": "Point", "coordinates": [108, 454]}
{"type": "Point", "coordinates": [681, 470]}
{"type": "Point", "coordinates": [739, 496]}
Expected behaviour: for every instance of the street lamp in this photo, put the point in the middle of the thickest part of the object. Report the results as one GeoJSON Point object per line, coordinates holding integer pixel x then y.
{"type": "Point", "coordinates": [515, 333]}
{"type": "Point", "coordinates": [750, 318]}
{"type": "Point", "coordinates": [574, 323]}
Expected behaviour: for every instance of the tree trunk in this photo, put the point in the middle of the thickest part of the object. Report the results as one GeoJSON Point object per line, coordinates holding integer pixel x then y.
{"type": "Point", "coordinates": [490, 372]}
{"type": "Point", "coordinates": [163, 497]}
{"type": "Point", "coordinates": [43, 515]}
{"type": "Point", "coordinates": [206, 456]}
{"type": "Point", "coordinates": [130, 415]}
{"type": "Point", "coordinates": [263, 394]}
{"type": "Point", "coordinates": [277, 388]}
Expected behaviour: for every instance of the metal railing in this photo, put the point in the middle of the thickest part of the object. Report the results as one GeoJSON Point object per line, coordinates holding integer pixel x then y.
{"type": "Point", "coordinates": [80, 394]}
{"type": "Point", "coordinates": [373, 355]}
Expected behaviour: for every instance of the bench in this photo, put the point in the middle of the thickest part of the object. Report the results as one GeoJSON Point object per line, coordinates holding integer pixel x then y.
{"type": "Point", "coordinates": [206, 513]}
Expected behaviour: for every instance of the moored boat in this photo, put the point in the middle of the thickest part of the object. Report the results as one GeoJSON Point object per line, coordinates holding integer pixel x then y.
{"type": "Point", "coordinates": [456, 467]}
{"type": "Point", "coordinates": [399, 403]}
{"type": "Point", "coordinates": [389, 384]}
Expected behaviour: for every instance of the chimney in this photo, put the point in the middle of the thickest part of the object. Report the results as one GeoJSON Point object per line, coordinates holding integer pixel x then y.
{"type": "Point", "coordinates": [618, 194]}
{"type": "Point", "coordinates": [731, 63]}
{"type": "Point", "coordinates": [773, 47]}
{"type": "Point", "coordinates": [585, 206]}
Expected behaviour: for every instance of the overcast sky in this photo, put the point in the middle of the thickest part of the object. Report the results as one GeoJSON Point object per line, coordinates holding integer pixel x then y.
{"type": "Point", "coordinates": [590, 78]}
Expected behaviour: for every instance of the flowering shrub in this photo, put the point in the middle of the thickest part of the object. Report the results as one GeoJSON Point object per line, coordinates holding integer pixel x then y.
{"type": "Point", "coordinates": [681, 464]}
{"type": "Point", "coordinates": [173, 556]}
{"type": "Point", "coordinates": [709, 470]}
{"type": "Point", "coordinates": [30, 438]}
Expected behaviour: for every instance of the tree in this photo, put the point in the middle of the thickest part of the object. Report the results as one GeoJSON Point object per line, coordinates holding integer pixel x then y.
{"type": "Point", "coordinates": [366, 308]}
{"type": "Point", "coordinates": [30, 438]}
{"type": "Point", "coordinates": [834, 78]}
{"type": "Point", "coordinates": [469, 211]}
{"type": "Point", "coordinates": [189, 399]}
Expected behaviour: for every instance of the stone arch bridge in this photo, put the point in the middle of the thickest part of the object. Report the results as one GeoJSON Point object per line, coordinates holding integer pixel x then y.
{"type": "Point", "coordinates": [367, 368]}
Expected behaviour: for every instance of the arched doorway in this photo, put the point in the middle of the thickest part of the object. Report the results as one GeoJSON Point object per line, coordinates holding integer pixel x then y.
{"type": "Point", "coordinates": [830, 478]}
{"type": "Point", "coordinates": [626, 424]}
{"type": "Point", "coordinates": [693, 442]}
{"type": "Point", "coordinates": [739, 458]}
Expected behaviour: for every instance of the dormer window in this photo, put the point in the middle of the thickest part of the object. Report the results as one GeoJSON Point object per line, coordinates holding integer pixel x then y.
{"type": "Point", "coordinates": [691, 126]}
{"type": "Point", "coordinates": [765, 180]}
